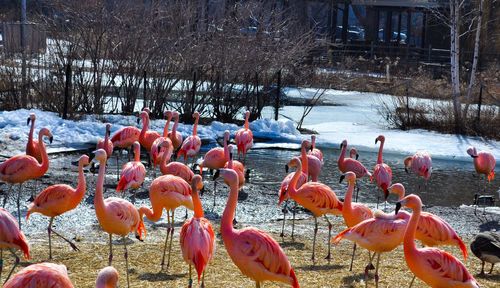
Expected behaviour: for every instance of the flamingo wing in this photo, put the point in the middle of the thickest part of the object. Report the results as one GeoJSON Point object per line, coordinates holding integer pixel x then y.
{"type": "Point", "coordinates": [16, 164]}
{"type": "Point", "coordinates": [122, 211]}
{"type": "Point", "coordinates": [197, 239]}
{"type": "Point", "coordinates": [41, 275]}
{"type": "Point", "coordinates": [132, 175]}
{"type": "Point", "coordinates": [355, 166]}
{"type": "Point", "coordinates": [318, 197]}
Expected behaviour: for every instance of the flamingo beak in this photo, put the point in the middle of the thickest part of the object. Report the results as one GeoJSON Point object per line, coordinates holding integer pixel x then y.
{"type": "Point", "coordinates": [342, 177]}
{"type": "Point", "coordinates": [91, 157]}
{"type": "Point", "coordinates": [28, 121]}
{"type": "Point", "coordinates": [216, 175]}
{"type": "Point", "coordinates": [341, 145]}
{"type": "Point", "coordinates": [51, 138]}
{"type": "Point", "coordinates": [286, 168]}
{"type": "Point", "coordinates": [398, 207]}
{"type": "Point", "coordinates": [202, 190]}
{"type": "Point", "coordinates": [473, 156]}
{"type": "Point", "coordinates": [74, 163]}
{"type": "Point", "coordinates": [376, 140]}
{"type": "Point", "coordinates": [109, 133]}
{"type": "Point", "coordinates": [386, 195]}
{"type": "Point", "coordinates": [406, 170]}
{"type": "Point", "coordinates": [357, 156]}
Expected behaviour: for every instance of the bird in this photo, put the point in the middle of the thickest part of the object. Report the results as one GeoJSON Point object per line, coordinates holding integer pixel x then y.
{"type": "Point", "coordinates": [353, 213]}
{"type": "Point", "coordinates": [156, 154]}
{"type": "Point", "coordinates": [314, 164]}
{"type": "Point", "coordinates": [236, 166]}
{"type": "Point", "coordinates": [147, 137]}
{"type": "Point", "coordinates": [33, 147]}
{"type": "Point", "coordinates": [133, 172]}
{"type": "Point", "coordinates": [484, 162]}
{"type": "Point", "coordinates": [420, 163]}
{"type": "Point", "coordinates": [107, 278]}
{"type": "Point", "coordinates": [167, 192]}
{"type": "Point", "coordinates": [315, 197]}
{"type": "Point", "coordinates": [106, 144]}
{"type": "Point", "coordinates": [244, 138]}
{"type": "Point", "coordinates": [382, 173]}
{"type": "Point", "coordinates": [191, 145]}
{"type": "Point", "coordinates": [58, 199]}
{"type": "Point", "coordinates": [21, 168]}
{"type": "Point", "coordinates": [115, 215]}
{"type": "Point", "coordinates": [486, 247]}
{"type": "Point", "coordinates": [124, 138]}
{"type": "Point", "coordinates": [315, 151]}
{"type": "Point", "coordinates": [348, 164]}
{"type": "Point", "coordinates": [41, 275]}
{"type": "Point", "coordinates": [174, 168]}
{"type": "Point", "coordinates": [197, 237]}
{"type": "Point", "coordinates": [175, 136]}
{"type": "Point", "coordinates": [254, 252]}
{"type": "Point", "coordinates": [216, 158]}
{"type": "Point", "coordinates": [11, 237]}
{"type": "Point", "coordinates": [353, 153]}
{"type": "Point", "coordinates": [437, 268]}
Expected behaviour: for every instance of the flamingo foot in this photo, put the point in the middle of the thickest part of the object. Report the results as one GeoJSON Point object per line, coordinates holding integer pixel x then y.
{"type": "Point", "coordinates": [376, 280]}
{"type": "Point", "coordinates": [370, 267]}
{"type": "Point", "coordinates": [190, 283]}
{"type": "Point", "coordinates": [329, 256]}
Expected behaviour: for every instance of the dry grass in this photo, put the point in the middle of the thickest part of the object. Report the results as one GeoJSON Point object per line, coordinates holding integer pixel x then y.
{"type": "Point", "coordinates": [144, 259]}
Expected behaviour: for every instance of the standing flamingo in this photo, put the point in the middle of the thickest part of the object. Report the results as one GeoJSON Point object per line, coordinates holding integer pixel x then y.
{"type": "Point", "coordinates": [175, 136]}
{"type": "Point", "coordinates": [115, 215]}
{"type": "Point", "coordinates": [58, 199]}
{"type": "Point", "coordinates": [435, 267]}
{"type": "Point", "coordinates": [124, 138]}
{"type": "Point", "coordinates": [348, 164]}
{"type": "Point", "coordinates": [106, 144]}
{"type": "Point", "coordinates": [156, 154]}
{"type": "Point", "coordinates": [107, 278]}
{"type": "Point", "coordinates": [382, 173]}
{"type": "Point", "coordinates": [484, 163]}
{"type": "Point", "coordinates": [244, 138]}
{"type": "Point", "coordinates": [191, 145]}
{"type": "Point", "coordinates": [197, 236]}
{"type": "Point", "coordinates": [420, 163]}
{"type": "Point", "coordinates": [133, 172]}
{"type": "Point", "coordinates": [147, 137]}
{"type": "Point", "coordinates": [353, 213]}
{"type": "Point", "coordinates": [314, 164]}
{"type": "Point", "coordinates": [315, 197]}
{"type": "Point", "coordinates": [254, 252]}
{"type": "Point", "coordinates": [315, 151]}
{"type": "Point", "coordinates": [41, 275]}
{"type": "Point", "coordinates": [353, 153]}
{"type": "Point", "coordinates": [174, 168]}
{"type": "Point", "coordinates": [33, 146]}
{"type": "Point", "coordinates": [169, 192]}
{"type": "Point", "coordinates": [21, 168]}
{"type": "Point", "coordinates": [11, 237]}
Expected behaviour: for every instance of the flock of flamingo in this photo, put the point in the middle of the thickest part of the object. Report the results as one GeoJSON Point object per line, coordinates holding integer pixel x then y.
{"type": "Point", "coordinates": [254, 252]}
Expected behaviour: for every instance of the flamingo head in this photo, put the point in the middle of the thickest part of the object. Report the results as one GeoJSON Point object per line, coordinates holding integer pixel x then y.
{"type": "Point", "coordinates": [407, 162]}
{"type": "Point", "coordinates": [46, 132]}
{"type": "Point", "coordinates": [398, 189]}
{"type": "Point", "coordinates": [175, 115]}
{"type": "Point", "coordinates": [146, 109]}
{"type": "Point", "coordinates": [197, 185]}
{"type": "Point", "coordinates": [143, 116]}
{"type": "Point", "coordinates": [32, 117]}
{"type": "Point", "coordinates": [229, 175]}
{"type": "Point", "coordinates": [380, 138]}
{"type": "Point", "coordinates": [306, 145]}
{"type": "Point", "coordinates": [108, 128]}
{"type": "Point", "coordinates": [107, 277]}
{"type": "Point", "coordinates": [472, 151]}
{"type": "Point", "coordinates": [84, 160]}
{"type": "Point", "coordinates": [226, 137]}
{"type": "Point", "coordinates": [247, 114]}
{"type": "Point", "coordinates": [313, 139]}
{"type": "Point", "coordinates": [350, 176]}
{"type": "Point", "coordinates": [100, 156]}
{"type": "Point", "coordinates": [353, 153]}
{"type": "Point", "coordinates": [196, 115]}
{"type": "Point", "coordinates": [343, 144]}
{"type": "Point", "coordinates": [411, 201]}
{"type": "Point", "coordinates": [294, 163]}
{"type": "Point", "coordinates": [168, 114]}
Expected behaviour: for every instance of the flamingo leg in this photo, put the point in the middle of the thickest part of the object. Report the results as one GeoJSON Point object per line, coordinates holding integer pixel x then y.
{"type": "Point", "coordinates": [284, 218]}
{"type": "Point", "coordinates": [73, 246]}
{"type": "Point", "coordinates": [353, 253]}
{"type": "Point", "coordinates": [190, 282]}
{"type": "Point", "coordinates": [412, 280]}
{"type": "Point", "coordinates": [32, 197]}
{"type": "Point", "coordinates": [6, 196]}
{"type": "Point", "coordinates": [314, 239]}
{"type": "Point", "coordinates": [118, 166]}
{"type": "Point", "coordinates": [293, 219]}
{"type": "Point", "coordinates": [166, 240]}
{"type": "Point", "coordinates": [257, 284]}
{"type": "Point", "coordinates": [329, 255]}
{"type": "Point", "coordinates": [110, 259]}
{"type": "Point", "coordinates": [13, 267]}
{"type": "Point", "coordinates": [1, 263]}
{"type": "Point", "coordinates": [376, 270]}
{"type": "Point", "coordinates": [49, 231]}
{"type": "Point", "coordinates": [491, 269]}
{"type": "Point", "coordinates": [203, 280]}
{"type": "Point", "coordinates": [357, 191]}
{"type": "Point", "coordinates": [370, 260]}
{"type": "Point", "coordinates": [171, 238]}
{"type": "Point", "coordinates": [215, 189]}
{"type": "Point", "coordinates": [19, 205]}
{"type": "Point", "coordinates": [126, 259]}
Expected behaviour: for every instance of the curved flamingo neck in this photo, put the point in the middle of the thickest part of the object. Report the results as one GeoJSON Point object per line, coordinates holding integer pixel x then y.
{"type": "Point", "coordinates": [226, 149]}
{"type": "Point", "coordinates": [44, 165]}
{"type": "Point", "coordinates": [313, 142]}
{"type": "Point", "coordinates": [82, 185]}
{"type": "Point", "coordinates": [303, 159]}
{"type": "Point", "coordinates": [348, 197]}
{"type": "Point", "coordinates": [379, 158]}
{"type": "Point", "coordinates": [150, 214]}
{"type": "Point", "coordinates": [195, 126]}
{"type": "Point", "coordinates": [32, 129]}
{"type": "Point", "coordinates": [411, 228]}
{"type": "Point", "coordinates": [228, 215]}
{"type": "Point", "coordinates": [165, 129]}
{"type": "Point", "coordinates": [247, 116]}
{"type": "Point", "coordinates": [137, 153]}
{"type": "Point", "coordinates": [99, 197]}
{"type": "Point", "coordinates": [198, 207]}
{"type": "Point", "coordinates": [340, 162]}
{"type": "Point", "coordinates": [174, 129]}
{"type": "Point", "coordinates": [106, 138]}
{"type": "Point", "coordinates": [145, 125]}
{"type": "Point", "coordinates": [163, 162]}
{"type": "Point", "coordinates": [292, 188]}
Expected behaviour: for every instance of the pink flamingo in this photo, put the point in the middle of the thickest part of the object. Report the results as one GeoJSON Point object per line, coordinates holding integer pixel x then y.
{"type": "Point", "coordinates": [41, 275]}
{"type": "Point", "coordinates": [169, 192]}
{"type": "Point", "coordinates": [133, 172]}
{"type": "Point", "coordinates": [435, 267]}
{"type": "Point", "coordinates": [314, 164]}
{"type": "Point", "coordinates": [197, 237]}
{"type": "Point", "coordinates": [21, 168]}
{"type": "Point", "coordinates": [33, 146]}
{"type": "Point", "coordinates": [353, 213]}
{"type": "Point", "coordinates": [106, 144]}
{"type": "Point", "coordinates": [59, 199]}
{"type": "Point", "coordinates": [254, 252]}
{"type": "Point", "coordinates": [11, 238]}
{"type": "Point", "coordinates": [115, 215]}
{"type": "Point", "coordinates": [420, 163]}
{"type": "Point", "coordinates": [156, 154]}
{"type": "Point", "coordinates": [353, 153]}
{"type": "Point", "coordinates": [244, 138]}
{"type": "Point", "coordinates": [191, 145]}
{"type": "Point", "coordinates": [382, 173]}
{"type": "Point", "coordinates": [315, 151]}
{"type": "Point", "coordinates": [236, 166]}
{"type": "Point", "coordinates": [349, 164]}
{"type": "Point", "coordinates": [124, 138]}
{"type": "Point", "coordinates": [174, 168]}
{"type": "Point", "coordinates": [315, 197]}
{"type": "Point", "coordinates": [147, 137]}
{"type": "Point", "coordinates": [107, 278]}
{"type": "Point", "coordinates": [484, 162]}
{"type": "Point", "coordinates": [175, 136]}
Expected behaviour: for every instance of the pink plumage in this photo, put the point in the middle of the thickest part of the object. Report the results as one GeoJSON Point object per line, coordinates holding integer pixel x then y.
{"type": "Point", "coordinates": [106, 143]}
{"type": "Point", "coordinates": [192, 144]}
{"type": "Point", "coordinates": [133, 173]}
{"type": "Point", "coordinates": [147, 137]}
{"type": "Point", "coordinates": [382, 173]}
{"type": "Point", "coordinates": [484, 162]}
{"type": "Point", "coordinates": [10, 234]}
{"type": "Point", "coordinates": [420, 164]}
{"type": "Point", "coordinates": [33, 146]}
{"type": "Point", "coordinates": [41, 275]}
{"type": "Point", "coordinates": [107, 278]}
{"type": "Point", "coordinates": [125, 137]}
{"type": "Point", "coordinates": [244, 137]}
{"type": "Point", "coordinates": [348, 164]}
{"type": "Point", "coordinates": [315, 151]}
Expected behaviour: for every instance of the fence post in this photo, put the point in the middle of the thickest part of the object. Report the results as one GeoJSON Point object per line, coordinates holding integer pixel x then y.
{"type": "Point", "coordinates": [371, 50]}
{"type": "Point", "coordinates": [480, 102]}
{"type": "Point", "coordinates": [407, 105]}
{"type": "Point", "coordinates": [429, 53]}
{"type": "Point", "coordinates": [144, 88]}
{"type": "Point", "coordinates": [193, 96]}
{"type": "Point", "coordinates": [67, 89]}
{"type": "Point", "coordinates": [278, 92]}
